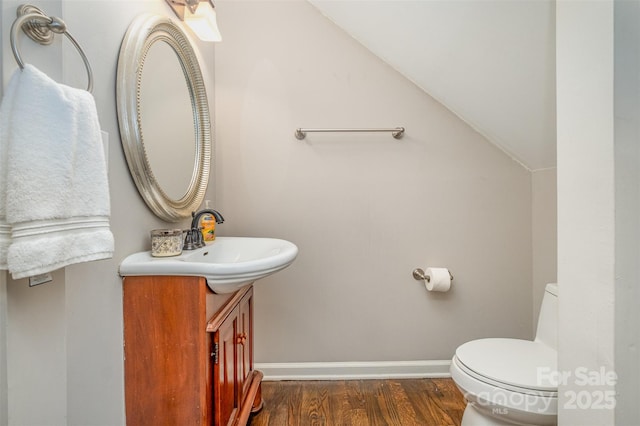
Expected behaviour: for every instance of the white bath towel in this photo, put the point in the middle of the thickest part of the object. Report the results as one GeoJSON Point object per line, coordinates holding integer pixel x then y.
{"type": "Point", "coordinates": [5, 125]}
{"type": "Point", "coordinates": [57, 194]}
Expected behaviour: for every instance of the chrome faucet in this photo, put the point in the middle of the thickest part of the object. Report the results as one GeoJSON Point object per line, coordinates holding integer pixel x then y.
{"type": "Point", "coordinates": [194, 239]}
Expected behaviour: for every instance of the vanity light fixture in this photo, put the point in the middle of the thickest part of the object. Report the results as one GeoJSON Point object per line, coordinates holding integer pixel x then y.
{"type": "Point", "coordinates": [200, 16]}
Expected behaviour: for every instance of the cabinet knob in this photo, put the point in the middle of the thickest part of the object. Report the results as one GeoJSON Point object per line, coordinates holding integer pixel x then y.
{"type": "Point", "coordinates": [241, 338]}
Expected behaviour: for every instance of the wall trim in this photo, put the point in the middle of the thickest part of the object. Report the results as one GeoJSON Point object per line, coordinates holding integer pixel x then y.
{"type": "Point", "coordinates": [354, 370]}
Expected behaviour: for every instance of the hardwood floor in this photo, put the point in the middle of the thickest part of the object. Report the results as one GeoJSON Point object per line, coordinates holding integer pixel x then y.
{"type": "Point", "coordinates": [405, 402]}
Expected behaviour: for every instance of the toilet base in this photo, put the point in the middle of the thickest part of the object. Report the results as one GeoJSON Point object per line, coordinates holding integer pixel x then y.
{"type": "Point", "coordinates": [475, 417]}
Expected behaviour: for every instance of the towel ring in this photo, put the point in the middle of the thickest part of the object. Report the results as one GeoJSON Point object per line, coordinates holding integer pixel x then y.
{"type": "Point", "coordinates": [40, 28]}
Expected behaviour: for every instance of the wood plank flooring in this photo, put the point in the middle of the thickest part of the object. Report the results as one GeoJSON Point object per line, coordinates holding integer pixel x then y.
{"type": "Point", "coordinates": [406, 402]}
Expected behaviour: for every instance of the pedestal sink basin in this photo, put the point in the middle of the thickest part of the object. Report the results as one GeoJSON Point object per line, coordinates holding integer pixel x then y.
{"type": "Point", "coordinates": [227, 263]}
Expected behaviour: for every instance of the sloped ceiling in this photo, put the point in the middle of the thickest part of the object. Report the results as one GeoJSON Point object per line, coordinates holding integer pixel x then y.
{"type": "Point", "coordinates": [491, 62]}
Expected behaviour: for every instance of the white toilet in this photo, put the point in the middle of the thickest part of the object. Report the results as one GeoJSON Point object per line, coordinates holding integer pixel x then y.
{"type": "Point", "coordinates": [512, 381]}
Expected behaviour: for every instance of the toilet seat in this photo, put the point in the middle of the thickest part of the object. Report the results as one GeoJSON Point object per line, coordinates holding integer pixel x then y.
{"type": "Point", "coordinates": [517, 365]}
{"type": "Point", "coordinates": [499, 378]}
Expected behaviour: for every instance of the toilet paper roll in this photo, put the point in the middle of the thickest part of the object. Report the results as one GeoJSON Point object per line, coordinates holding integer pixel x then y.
{"type": "Point", "coordinates": [439, 279]}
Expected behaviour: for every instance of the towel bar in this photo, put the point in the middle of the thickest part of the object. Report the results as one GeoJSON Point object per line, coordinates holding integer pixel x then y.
{"type": "Point", "coordinates": [396, 132]}
{"type": "Point", "coordinates": [40, 28]}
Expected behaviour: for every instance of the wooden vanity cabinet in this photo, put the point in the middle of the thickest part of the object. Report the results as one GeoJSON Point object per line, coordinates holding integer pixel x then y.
{"type": "Point", "coordinates": [188, 353]}
{"type": "Point", "coordinates": [245, 357]}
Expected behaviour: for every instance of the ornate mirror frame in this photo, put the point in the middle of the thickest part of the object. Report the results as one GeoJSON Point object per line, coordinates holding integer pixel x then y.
{"type": "Point", "coordinates": [143, 32]}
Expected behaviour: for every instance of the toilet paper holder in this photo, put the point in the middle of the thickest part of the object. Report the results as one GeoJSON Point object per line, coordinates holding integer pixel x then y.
{"type": "Point", "coordinates": [419, 275]}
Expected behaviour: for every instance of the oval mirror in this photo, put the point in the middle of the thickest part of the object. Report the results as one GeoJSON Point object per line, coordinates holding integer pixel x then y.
{"type": "Point", "coordinates": [163, 115]}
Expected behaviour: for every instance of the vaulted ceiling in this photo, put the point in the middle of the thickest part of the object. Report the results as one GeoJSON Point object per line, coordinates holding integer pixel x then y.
{"type": "Point", "coordinates": [491, 62]}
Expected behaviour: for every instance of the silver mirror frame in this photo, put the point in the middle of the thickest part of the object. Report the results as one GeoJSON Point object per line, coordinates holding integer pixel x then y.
{"type": "Point", "coordinates": [143, 32]}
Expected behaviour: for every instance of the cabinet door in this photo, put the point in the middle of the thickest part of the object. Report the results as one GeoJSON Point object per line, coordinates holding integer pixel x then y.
{"type": "Point", "coordinates": [245, 340]}
{"type": "Point", "coordinates": [166, 351]}
{"type": "Point", "coordinates": [226, 392]}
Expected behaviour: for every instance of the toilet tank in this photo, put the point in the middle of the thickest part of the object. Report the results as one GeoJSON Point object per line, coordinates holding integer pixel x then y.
{"type": "Point", "coordinates": [547, 331]}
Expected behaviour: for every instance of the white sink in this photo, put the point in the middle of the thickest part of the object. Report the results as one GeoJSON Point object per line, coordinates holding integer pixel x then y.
{"type": "Point", "coordinates": [227, 263]}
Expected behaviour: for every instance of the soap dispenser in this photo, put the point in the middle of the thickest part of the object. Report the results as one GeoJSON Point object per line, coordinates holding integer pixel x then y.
{"type": "Point", "coordinates": [208, 225]}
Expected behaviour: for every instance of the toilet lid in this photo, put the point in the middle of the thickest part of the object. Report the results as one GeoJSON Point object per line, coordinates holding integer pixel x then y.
{"type": "Point", "coordinates": [521, 363]}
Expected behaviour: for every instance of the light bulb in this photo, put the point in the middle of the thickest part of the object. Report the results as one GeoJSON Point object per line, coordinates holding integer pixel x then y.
{"type": "Point", "coordinates": [203, 22]}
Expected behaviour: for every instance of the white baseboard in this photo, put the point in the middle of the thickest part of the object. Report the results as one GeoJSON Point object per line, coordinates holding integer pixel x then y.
{"type": "Point", "coordinates": [354, 370]}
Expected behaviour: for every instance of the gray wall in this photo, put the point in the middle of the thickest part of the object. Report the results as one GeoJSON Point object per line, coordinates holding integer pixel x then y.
{"type": "Point", "coordinates": [599, 205]}
{"type": "Point", "coordinates": [543, 234]}
{"type": "Point", "coordinates": [364, 210]}
{"type": "Point", "coordinates": [64, 338]}
{"type": "Point", "coordinates": [586, 206]}
{"type": "Point", "coordinates": [627, 187]}
{"type": "Point", "coordinates": [4, 402]}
